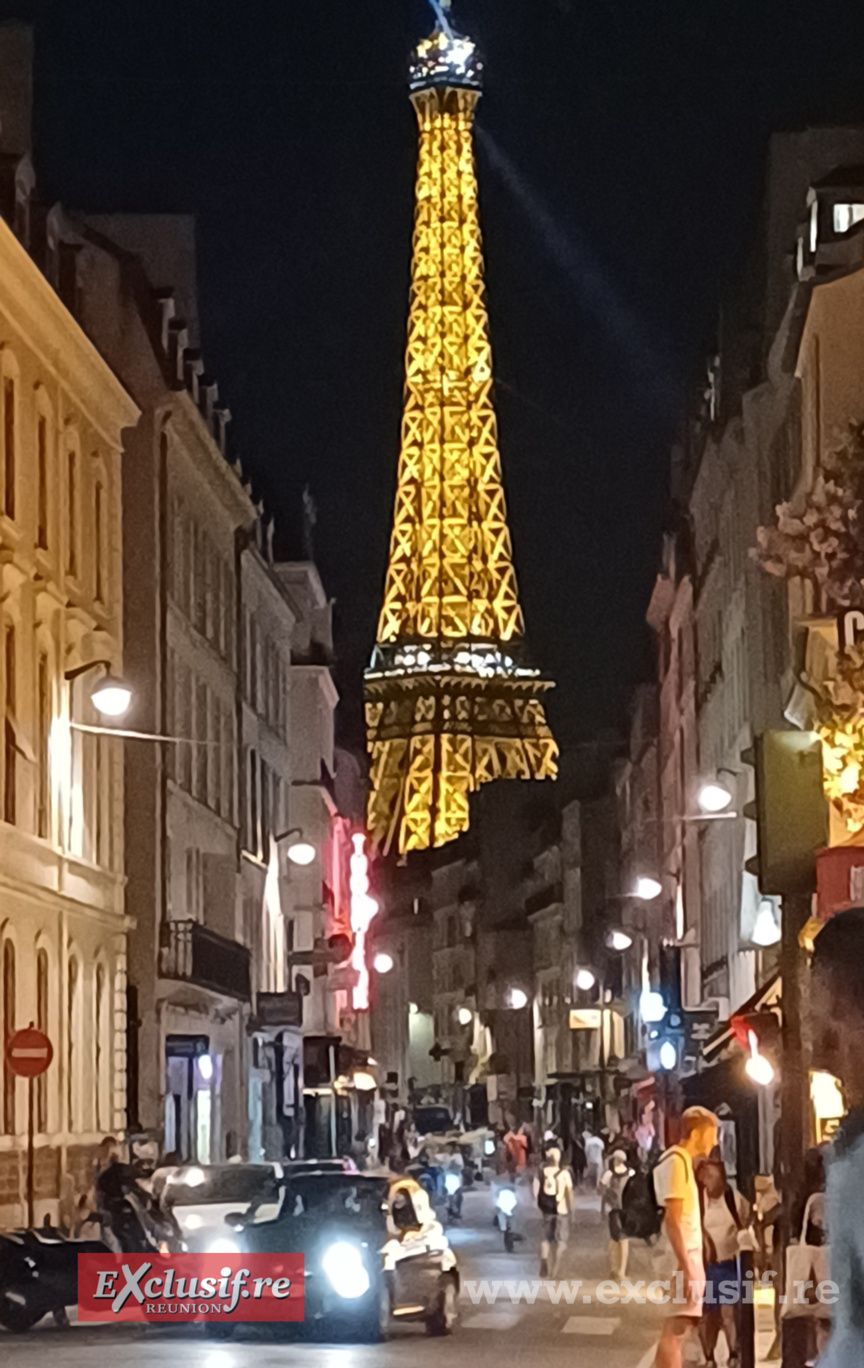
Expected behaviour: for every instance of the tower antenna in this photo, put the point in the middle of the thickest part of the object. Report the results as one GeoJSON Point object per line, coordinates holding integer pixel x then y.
{"type": "Point", "coordinates": [442, 8]}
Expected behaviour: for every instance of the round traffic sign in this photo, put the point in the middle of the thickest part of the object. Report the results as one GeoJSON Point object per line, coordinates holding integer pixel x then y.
{"type": "Point", "coordinates": [29, 1052]}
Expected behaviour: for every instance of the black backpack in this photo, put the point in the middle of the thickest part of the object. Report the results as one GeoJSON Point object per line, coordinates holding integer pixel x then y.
{"type": "Point", "coordinates": [548, 1201]}
{"type": "Point", "coordinates": [640, 1217]}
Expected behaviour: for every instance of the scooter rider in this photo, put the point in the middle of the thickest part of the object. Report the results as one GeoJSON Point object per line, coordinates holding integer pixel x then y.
{"type": "Point", "coordinates": [454, 1178]}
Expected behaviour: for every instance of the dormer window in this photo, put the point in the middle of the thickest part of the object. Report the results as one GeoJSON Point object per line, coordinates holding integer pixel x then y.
{"type": "Point", "coordinates": [846, 216]}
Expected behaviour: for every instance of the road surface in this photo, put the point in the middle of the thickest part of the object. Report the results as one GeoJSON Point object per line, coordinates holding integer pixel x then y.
{"type": "Point", "coordinates": [497, 1325]}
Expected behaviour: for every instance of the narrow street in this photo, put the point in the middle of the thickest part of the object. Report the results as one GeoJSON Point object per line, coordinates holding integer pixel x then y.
{"type": "Point", "coordinates": [594, 1335]}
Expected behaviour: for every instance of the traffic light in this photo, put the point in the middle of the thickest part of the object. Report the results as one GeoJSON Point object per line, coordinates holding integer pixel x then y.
{"type": "Point", "coordinates": [791, 811]}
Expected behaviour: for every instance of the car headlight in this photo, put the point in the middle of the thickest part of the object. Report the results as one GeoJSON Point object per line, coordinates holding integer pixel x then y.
{"type": "Point", "coordinates": [345, 1270]}
{"type": "Point", "coordinates": [452, 1183]}
{"type": "Point", "coordinates": [223, 1246]}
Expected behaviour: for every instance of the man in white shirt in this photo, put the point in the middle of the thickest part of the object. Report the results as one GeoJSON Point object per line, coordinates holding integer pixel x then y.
{"type": "Point", "coordinates": [553, 1188]}
{"type": "Point", "coordinates": [676, 1192]}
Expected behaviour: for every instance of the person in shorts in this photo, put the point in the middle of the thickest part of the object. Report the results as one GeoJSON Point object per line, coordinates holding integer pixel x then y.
{"type": "Point", "coordinates": [612, 1186]}
{"type": "Point", "coordinates": [676, 1192]}
{"type": "Point", "coordinates": [553, 1188]}
{"type": "Point", "coordinates": [725, 1213]}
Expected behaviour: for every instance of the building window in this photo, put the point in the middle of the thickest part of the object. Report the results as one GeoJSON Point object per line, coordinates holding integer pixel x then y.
{"type": "Point", "coordinates": [42, 1023]}
{"type": "Point", "coordinates": [103, 1121]}
{"type": "Point", "coordinates": [71, 1043]}
{"type": "Point", "coordinates": [42, 482]}
{"type": "Point", "coordinates": [10, 749]}
{"type": "Point", "coordinates": [72, 512]}
{"type": "Point", "coordinates": [846, 216]}
{"type": "Point", "coordinates": [9, 440]}
{"type": "Point", "coordinates": [43, 758]}
{"type": "Point", "coordinates": [201, 746]}
{"type": "Point", "coordinates": [254, 843]}
{"type": "Point", "coordinates": [99, 537]}
{"type": "Point", "coordinates": [8, 1030]}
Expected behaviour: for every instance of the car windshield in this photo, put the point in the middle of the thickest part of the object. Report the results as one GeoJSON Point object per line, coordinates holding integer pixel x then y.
{"type": "Point", "coordinates": [221, 1183]}
{"type": "Point", "coordinates": [432, 1120]}
{"type": "Point", "coordinates": [338, 1197]}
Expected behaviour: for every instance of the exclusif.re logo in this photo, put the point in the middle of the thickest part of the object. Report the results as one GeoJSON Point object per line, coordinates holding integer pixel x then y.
{"type": "Point", "coordinates": [190, 1287]}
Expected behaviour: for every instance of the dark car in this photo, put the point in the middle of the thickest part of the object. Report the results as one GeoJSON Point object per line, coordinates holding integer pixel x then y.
{"type": "Point", "coordinates": [373, 1252]}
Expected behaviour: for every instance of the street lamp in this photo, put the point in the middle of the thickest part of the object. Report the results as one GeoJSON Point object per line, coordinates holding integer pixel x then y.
{"type": "Point", "coordinates": [300, 852]}
{"type": "Point", "coordinates": [382, 963]}
{"type": "Point", "coordinates": [517, 998]}
{"type": "Point", "coordinates": [110, 696]}
{"type": "Point", "coordinates": [585, 980]}
{"type": "Point", "coordinates": [652, 1007]}
{"type": "Point", "coordinates": [766, 931]}
{"type": "Point", "coordinates": [619, 940]}
{"type": "Point", "coordinates": [713, 796]}
{"type": "Point", "coordinates": [668, 1056]}
{"type": "Point", "coordinates": [647, 889]}
{"type": "Point", "coordinates": [465, 1016]}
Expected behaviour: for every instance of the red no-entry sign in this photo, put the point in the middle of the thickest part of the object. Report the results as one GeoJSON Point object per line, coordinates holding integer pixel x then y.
{"type": "Point", "coordinates": [29, 1052]}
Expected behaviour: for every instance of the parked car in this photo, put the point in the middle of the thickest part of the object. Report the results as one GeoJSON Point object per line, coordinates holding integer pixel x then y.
{"type": "Point", "coordinates": [200, 1196]}
{"type": "Point", "coordinates": [373, 1250]}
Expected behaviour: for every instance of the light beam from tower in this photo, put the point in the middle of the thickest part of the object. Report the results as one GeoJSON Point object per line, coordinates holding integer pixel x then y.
{"type": "Point", "coordinates": [450, 702]}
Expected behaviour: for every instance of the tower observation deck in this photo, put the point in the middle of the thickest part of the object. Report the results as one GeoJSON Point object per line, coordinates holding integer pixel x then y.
{"type": "Point", "coordinates": [450, 701]}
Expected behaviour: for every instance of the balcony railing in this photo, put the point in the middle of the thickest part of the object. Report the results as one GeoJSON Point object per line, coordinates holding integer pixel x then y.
{"type": "Point", "coordinates": [195, 954]}
{"type": "Point", "coordinates": [279, 1010]}
{"type": "Point", "coordinates": [545, 897]}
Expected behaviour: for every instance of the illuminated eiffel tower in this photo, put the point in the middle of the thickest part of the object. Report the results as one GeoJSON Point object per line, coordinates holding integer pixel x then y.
{"type": "Point", "coordinates": [450, 702]}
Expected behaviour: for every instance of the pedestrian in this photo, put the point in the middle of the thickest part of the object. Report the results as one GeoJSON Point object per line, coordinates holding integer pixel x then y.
{"type": "Point", "coordinates": [553, 1189]}
{"type": "Point", "coordinates": [517, 1151]}
{"type": "Point", "coordinates": [595, 1151]}
{"type": "Point", "coordinates": [578, 1159]}
{"type": "Point", "coordinates": [676, 1192]}
{"type": "Point", "coordinates": [612, 1186]}
{"type": "Point", "coordinates": [837, 1016]}
{"type": "Point", "coordinates": [725, 1214]}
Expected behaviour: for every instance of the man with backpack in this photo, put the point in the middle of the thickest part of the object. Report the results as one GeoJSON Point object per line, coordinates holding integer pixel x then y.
{"type": "Point", "coordinates": [676, 1192]}
{"type": "Point", "coordinates": [553, 1188]}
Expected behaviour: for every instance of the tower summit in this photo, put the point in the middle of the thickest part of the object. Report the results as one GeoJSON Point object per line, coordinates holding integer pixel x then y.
{"type": "Point", "coordinates": [450, 702]}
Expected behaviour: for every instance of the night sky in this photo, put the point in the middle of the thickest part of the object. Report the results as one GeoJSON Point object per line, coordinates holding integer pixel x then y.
{"type": "Point", "coordinates": [620, 147]}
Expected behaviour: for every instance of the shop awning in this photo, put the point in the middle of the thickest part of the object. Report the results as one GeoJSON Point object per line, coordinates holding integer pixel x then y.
{"type": "Point", "coordinates": [765, 997]}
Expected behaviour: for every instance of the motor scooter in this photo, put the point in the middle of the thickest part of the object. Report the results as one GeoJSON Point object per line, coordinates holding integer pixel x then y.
{"type": "Point", "coordinates": [505, 1205]}
{"type": "Point", "coordinates": [39, 1268]}
{"type": "Point", "coordinates": [453, 1188]}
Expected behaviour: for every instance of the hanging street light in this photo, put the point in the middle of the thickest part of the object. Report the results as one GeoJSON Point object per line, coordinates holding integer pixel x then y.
{"type": "Point", "coordinates": [585, 979]}
{"type": "Point", "coordinates": [652, 1007]}
{"type": "Point", "coordinates": [465, 1016]}
{"type": "Point", "coordinates": [766, 931]}
{"type": "Point", "coordinates": [382, 963]}
{"type": "Point", "coordinates": [713, 796]}
{"type": "Point", "coordinates": [619, 940]}
{"type": "Point", "coordinates": [760, 1069]}
{"type": "Point", "coordinates": [110, 695]}
{"type": "Point", "coordinates": [668, 1056]}
{"type": "Point", "coordinates": [517, 998]}
{"type": "Point", "coordinates": [647, 889]}
{"type": "Point", "coordinates": [299, 852]}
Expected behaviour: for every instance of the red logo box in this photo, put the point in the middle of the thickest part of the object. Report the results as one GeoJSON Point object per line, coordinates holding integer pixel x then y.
{"type": "Point", "coordinates": [190, 1287]}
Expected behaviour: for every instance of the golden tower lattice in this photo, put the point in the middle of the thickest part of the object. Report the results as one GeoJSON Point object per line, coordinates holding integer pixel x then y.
{"type": "Point", "coordinates": [450, 704]}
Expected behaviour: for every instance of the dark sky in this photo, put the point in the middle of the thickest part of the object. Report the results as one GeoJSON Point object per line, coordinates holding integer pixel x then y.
{"type": "Point", "coordinates": [620, 151]}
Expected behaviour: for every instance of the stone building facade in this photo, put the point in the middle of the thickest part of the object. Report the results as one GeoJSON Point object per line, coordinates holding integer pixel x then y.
{"type": "Point", "coordinates": [63, 964]}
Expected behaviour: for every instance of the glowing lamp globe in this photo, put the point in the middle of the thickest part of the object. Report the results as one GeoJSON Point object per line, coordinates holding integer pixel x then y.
{"type": "Point", "coordinates": [619, 940]}
{"type": "Point", "coordinates": [465, 1016]}
{"type": "Point", "coordinates": [714, 797]}
{"type": "Point", "coordinates": [301, 853]}
{"type": "Point", "coordinates": [518, 998]}
{"type": "Point", "coordinates": [585, 980]}
{"type": "Point", "coordinates": [111, 697]}
{"type": "Point", "coordinates": [382, 963]}
{"type": "Point", "coordinates": [647, 889]}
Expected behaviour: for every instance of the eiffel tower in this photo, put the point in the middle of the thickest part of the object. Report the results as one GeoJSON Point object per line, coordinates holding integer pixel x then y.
{"type": "Point", "coordinates": [450, 701]}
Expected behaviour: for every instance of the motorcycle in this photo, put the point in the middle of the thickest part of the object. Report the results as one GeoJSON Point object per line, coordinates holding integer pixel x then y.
{"type": "Point", "coordinates": [453, 1188]}
{"type": "Point", "coordinates": [39, 1268]}
{"type": "Point", "coordinates": [505, 1205]}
